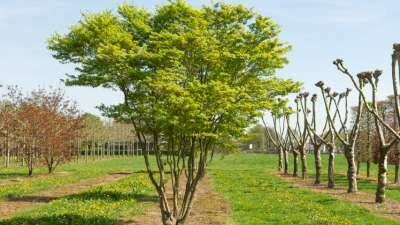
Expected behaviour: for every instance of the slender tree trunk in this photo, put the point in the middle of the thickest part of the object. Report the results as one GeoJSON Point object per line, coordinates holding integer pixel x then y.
{"type": "Point", "coordinates": [368, 168]}
{"type": "Point", "coordinates": [280, 160]}
{"type": "Point", "coordinates": [318, 164]}
{"type": "Point", "coordinates": [295, 164]}
{"type": "Point", "coordinates": [382, 177]}
{"type": "Point", "coordinates": [331, 167]}
{"type": "Point", "coordinates": [358, 167]}
{"type": "Point", "coordinates": [167, 219]}
{"type": "Point", "coordinates": [303, 158]}
{"type": "Point", "coordinates": [351, 170]}
{"type": "Point", "coordinates": [30, 165]}
{"type": "Point", "coordinates": [7, 152]}
{"type": "Point", "coordinates": [286, 162]}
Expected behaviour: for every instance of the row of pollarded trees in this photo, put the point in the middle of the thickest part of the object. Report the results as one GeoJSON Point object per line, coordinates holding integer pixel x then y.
{"type": "Point", "coordinates": [38, 128]}
{"type": "Point", "coordinates": [372, 120]}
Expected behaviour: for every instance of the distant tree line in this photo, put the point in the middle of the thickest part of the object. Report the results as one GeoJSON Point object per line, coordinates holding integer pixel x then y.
{"type": "Point", "coordinates": [45, 128]}
{"type": "Point", "coordinates": [39, 128]}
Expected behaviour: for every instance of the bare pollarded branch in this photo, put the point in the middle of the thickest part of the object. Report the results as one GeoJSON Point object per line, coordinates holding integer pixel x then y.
{"type": "Point", "coordinates": [331, 120]}
{"type": "Point", "coordinates": [371, 78]}
{"type": "Point", "coordinates": [316, 138]}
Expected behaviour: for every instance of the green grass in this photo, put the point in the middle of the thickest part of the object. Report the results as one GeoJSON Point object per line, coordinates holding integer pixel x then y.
{"type": "Point", "coordinates": [99, 206]}
{"type": "Point", "coordinates": [248, 181]}
{"type": "Point", "coordinates": [257, 196]}
{"type": "Point", "coordinates": [74, 173]}
{"type": "Point", "coordinates": [369, 186]}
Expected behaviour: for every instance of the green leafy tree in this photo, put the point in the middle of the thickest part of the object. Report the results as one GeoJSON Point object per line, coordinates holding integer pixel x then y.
{"type": "Point", "coordinates": [190, 78]}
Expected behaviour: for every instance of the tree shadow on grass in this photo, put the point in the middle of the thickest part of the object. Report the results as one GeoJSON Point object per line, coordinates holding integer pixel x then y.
{"type": "Point", "coordinates": [69, 219]}
{"type": "Point", "coordinates": [111, 196]}
{"type": "Point", "coordinates": [9, 175]}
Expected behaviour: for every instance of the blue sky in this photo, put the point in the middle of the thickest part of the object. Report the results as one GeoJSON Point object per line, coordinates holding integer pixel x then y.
{"type": "Point", "coordinates": [319, 31]}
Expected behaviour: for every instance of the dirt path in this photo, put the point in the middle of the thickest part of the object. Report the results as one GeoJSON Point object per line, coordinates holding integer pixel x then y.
{"type": "Point", "coordinates": [17, 179]}
{"type": "Point", "coordinates": [390, 209]}
{"type": "Point", "coordinates": [209, 208]}
{"type": "Point", "coordinates": [9, 207]}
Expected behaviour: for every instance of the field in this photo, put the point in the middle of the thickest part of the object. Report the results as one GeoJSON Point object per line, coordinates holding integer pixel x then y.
{"type": "Point", "coordinates": [248, 183]}
{"type": "Point", "coordinates": [258, 196]}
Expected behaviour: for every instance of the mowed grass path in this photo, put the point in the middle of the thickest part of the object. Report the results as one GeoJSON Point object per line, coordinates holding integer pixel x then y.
{"type": "Point", "coordinates": [258, 196]}
{"type": "Point", "coordinates": [73, 173]}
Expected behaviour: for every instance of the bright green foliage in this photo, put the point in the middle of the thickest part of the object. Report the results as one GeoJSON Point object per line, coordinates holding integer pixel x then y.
{"type": "Point", "coordinates": [204, 72]}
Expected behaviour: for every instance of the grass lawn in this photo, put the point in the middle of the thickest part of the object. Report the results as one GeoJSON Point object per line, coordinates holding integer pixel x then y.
{"type": "Point", "coordinates": [248, 181]}
{"type": "Point", "coordinates": [99, 206]}
{"type": "Point", "coordinates": [257, 196]}
{"type": "Point", "coordinates": [74, 173]}
{"type": "Point", "coordinates": [393, 191]}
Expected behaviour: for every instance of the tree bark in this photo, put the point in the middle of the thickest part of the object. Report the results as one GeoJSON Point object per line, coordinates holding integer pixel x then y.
{"type": "Point", "coordinates": [295, 164]}
{"type": "Point", "coordinates": [303, 158]}
{"type": "Point", "coordinates": [382, 177]}
{"type": "Point", "coordinates": [368, 168]}
{"type": "Point", "coordinates": [318, 166]}
{"type": "Point", "coordinates": [331, 168]}
{"type": "Point", "coordinates": [280, 160]}
{"type": "Point", "coordinates": [351, 170]}
{"type": "Point", "coordinates": [286, 162]}
{"type": "Point", "coordinates": [396, 173]}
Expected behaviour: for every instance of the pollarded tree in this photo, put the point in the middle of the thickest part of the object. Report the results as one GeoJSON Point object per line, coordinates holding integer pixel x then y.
{"type": "Point", "coordinates": [189, 77]}
{"type": "Point", "coordinates": [292, 143]}
{"type": "Point", "coordinates": [326, 137]}
{"type": "Point", "coordinates": [346, 137]}
{"type": "Point", "coordinates": [384, 145]}
{"type": "Point", "coordinates": [299, 134]}
{"type": "Point", "coordinates": [279, 137]}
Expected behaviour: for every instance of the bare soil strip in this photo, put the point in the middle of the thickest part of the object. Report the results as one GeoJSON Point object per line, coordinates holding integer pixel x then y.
{"type": "Point", "coordinates": [209, 208]}
{"type": "Point", "coordinates": [9, 207]}
{"type": "Point", "coordinates": [13, 180]}
{"type": "Point", "coordinates": [390, 209]}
